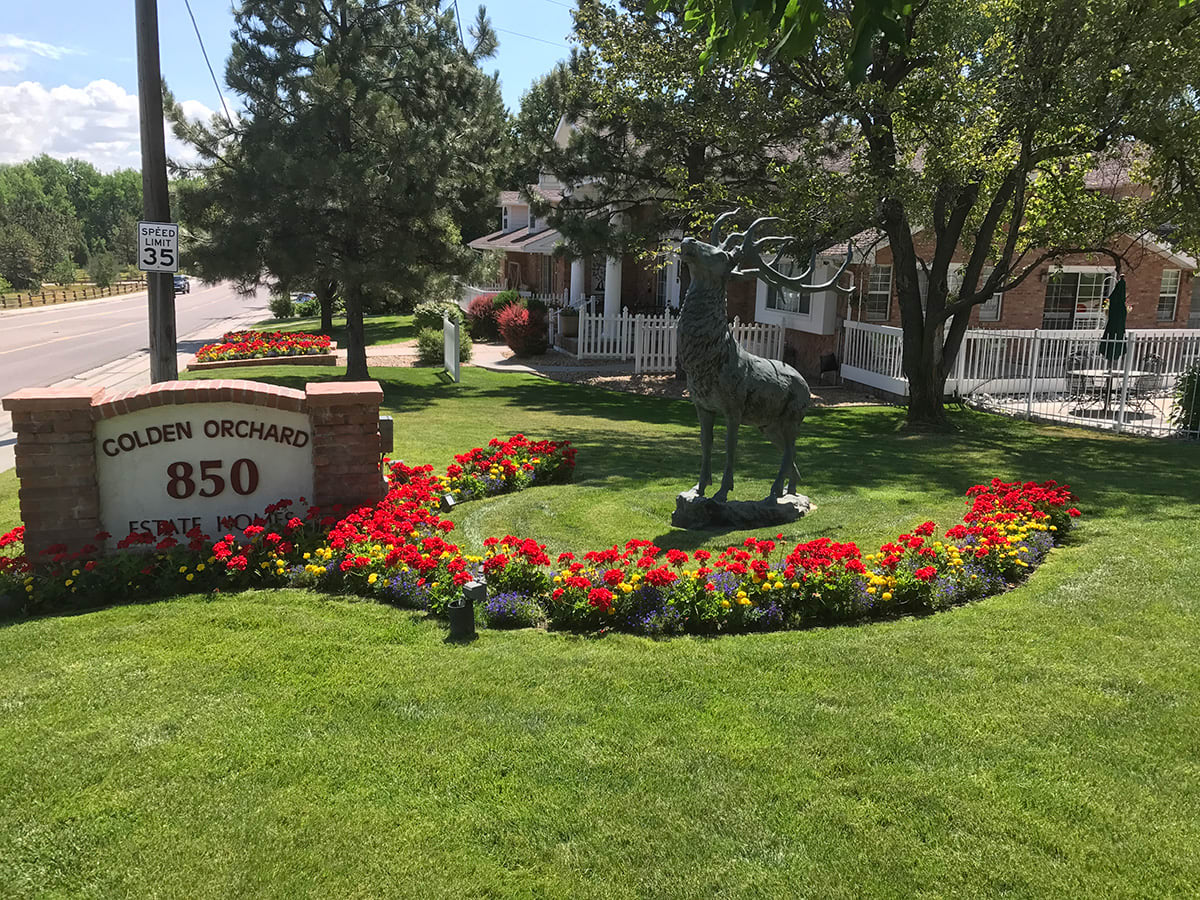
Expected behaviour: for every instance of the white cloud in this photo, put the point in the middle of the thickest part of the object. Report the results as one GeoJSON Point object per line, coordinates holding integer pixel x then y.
{"type": "Point", "coordinates": [38, 48]}
{"type": "Point", "coordinates": [97, 123]}
{"type": "Point", "coordinates": [11, 63]}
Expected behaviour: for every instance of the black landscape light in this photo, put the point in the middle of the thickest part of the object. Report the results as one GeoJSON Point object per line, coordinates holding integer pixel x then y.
{"type": "Point", "coordinates": [461, 612]}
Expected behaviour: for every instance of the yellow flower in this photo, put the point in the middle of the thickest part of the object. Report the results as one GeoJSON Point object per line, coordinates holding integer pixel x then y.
{"type": "Point", "coordinates": [870, 590]}
{"type": "Point", "coordinates": [887, 595]}
{"type": "Point", "coordinates": [724, 603]}
{"type": "Point", "coordinates": [372, 578]}
{"type": "Point", "coordinates": [190, 576]}
{"type": "Point", "coordinates": [75, 573]}
{"type": "Point", "coordinates": [200, 568]}
{"type": "Point", "coordinates": [795, 585]}
{"type": "Point", "coordinates": [308, 556]}
{"type": "Point", "coordinates": [744, 600]}
{"type": "Point", "coordinates": [182, 569]}
{"type": "Point", "coordinates": [29, 588]}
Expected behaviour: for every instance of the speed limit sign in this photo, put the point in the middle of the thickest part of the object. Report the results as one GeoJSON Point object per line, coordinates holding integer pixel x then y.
{"type": "Point", "coordinates": [158, 247]}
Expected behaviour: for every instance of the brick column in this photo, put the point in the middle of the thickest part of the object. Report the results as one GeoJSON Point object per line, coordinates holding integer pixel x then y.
{"type": "Point", "coordinates": [56, 463]}
{"type": "Point", "coordinates": [345, 421]}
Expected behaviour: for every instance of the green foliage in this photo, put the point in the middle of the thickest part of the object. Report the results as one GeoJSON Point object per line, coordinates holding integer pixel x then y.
{"type": "Point", "coordinates": [751, 28]}
{"type": "Point", "coordinates": [430, 313]}
{"type": "Point", "coordinates": [102, 268]}
{"type": "Point", "coordinates": [309, 186]}
{"type": "Point", "coordinates": [1186, 411]}
{"type": "Point", "coordinates": [504, 298]}
{"type": "Point", "coordinates": [431, 346]}
{"type": "Point", "coordinates": [309, 306]}
{"type": "Point", "coordinates": [532, 129]}
{"type": "Point", "coordinates": [282, 307]}
{"type": "Point", "coordinates": [64, 272]}
{"type": "Point", "coordinates": [5, 286]}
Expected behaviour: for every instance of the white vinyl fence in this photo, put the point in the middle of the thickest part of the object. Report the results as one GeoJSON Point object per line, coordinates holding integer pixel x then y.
{"type": "Point", "coordinates": [651, 341]}
{"type": "Point", "coordinates": [1059, 376]}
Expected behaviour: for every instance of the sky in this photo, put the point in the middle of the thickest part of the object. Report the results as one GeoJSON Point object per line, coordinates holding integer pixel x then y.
{"type": "Point", "coordinates": [68, 72]}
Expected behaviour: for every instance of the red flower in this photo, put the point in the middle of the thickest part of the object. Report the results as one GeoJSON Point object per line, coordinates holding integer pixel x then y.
{"type": "Point", "coordinates": [926, 573]}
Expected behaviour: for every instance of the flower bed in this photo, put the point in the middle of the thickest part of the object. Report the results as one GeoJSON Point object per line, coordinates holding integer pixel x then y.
{"type": "Point", "coordinates": [242, 345]}
{"type": "Point", "coordinates": [398, 552]}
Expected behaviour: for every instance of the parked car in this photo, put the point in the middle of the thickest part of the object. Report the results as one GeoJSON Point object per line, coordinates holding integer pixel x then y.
{"type": "Point", "coordinates": [182, 285]}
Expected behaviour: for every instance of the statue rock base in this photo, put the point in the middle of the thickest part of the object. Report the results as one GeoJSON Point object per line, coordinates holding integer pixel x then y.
{"type": "Point", "coordinates": [695, 512]}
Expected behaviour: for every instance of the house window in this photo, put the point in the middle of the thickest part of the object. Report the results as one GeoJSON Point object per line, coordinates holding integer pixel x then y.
{"type": "Point", "coordinates": [877, 302]}
{"type": "Point", "coordinates": [1168, 294]}
{"type": "Point", "coordinates": [1073, 300]}
{"type": "Point", "coordinates": [547, 274]}
{"type": "Point", "coordinates": [504, 218]}
{"type": "Point", "coordinates": [784, 300]}
{"type": "Point", "coordinates": [989, 310]}
{"type": "Point", "coordinates": [532, 221]}
{"type": "Point", "coordinates": [598, 267]}
{"type": "Point", "coordinates": [1194, 315]}
{"type": "Point", "coordinates": [660, 282]}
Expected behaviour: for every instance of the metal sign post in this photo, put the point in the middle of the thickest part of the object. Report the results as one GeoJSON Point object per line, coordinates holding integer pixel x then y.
{"type": "Point", "coordinates": [155, 203]}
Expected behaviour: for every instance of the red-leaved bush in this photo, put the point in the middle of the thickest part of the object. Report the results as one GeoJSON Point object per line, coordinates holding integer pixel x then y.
{"type": "Point", "coordinates": [481, 318]}
{"type": "Point", "coordinates": [524, 331]}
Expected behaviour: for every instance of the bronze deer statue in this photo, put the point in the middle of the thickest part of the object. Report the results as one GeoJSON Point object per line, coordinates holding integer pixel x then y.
{"type": "Point", "coordinates": [724, 378]}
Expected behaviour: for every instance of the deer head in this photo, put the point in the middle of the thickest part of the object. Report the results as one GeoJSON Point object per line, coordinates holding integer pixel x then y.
{"type": "Point", "coordinates": [741, 254]}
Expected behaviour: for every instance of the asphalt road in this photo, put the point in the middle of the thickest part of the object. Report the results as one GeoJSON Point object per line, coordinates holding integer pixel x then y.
{"type": "Point", "coordinates": [42, 346]}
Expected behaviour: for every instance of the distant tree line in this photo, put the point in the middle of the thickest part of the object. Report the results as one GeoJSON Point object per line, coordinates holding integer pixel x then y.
{"type": "Point", "coordinates": [57, 216]}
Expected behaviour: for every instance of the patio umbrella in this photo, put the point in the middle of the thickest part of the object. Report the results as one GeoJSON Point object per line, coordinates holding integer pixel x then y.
{"type": "Point", "coordinates": [1112, 342]}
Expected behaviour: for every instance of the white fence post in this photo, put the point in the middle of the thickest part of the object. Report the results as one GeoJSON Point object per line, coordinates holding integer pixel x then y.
{"type": "Point", "coordinates": [1033, 373]}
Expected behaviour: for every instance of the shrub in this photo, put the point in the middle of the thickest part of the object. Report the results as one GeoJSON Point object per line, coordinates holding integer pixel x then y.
{"type": "Point", "coordinates": [5, 287]}
{"type": "Point", "coordinates": [1186, 412]}
{"type": "Point", "coordinates": [504, 298]}
{"type": "Point", "coordinates": [429, 314]}
{"type": "Point", "coordinates": [281, 306]}
{"type": "Point", "coordinates": [481, 318]}
{"type": "Point", "coordinates": [307, 306]}
{"type": "Point", "coordinates": [63, 272]}
{"type": "Point", "coordinates": [430, 343]}
{"type": "Point", "coordinates": [102, 269]}
{"type": "Point", "coordinates": [523, 330]}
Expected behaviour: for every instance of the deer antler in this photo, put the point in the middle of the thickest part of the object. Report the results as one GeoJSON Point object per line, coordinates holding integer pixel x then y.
{"type": "Point", "coordinates": [716, 228]}
{"type": "Point", "coordinates": [751, 252]}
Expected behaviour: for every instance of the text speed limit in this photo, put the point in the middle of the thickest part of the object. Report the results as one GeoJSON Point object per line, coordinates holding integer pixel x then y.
{"type": "Point", "coordinates": [158, 247]}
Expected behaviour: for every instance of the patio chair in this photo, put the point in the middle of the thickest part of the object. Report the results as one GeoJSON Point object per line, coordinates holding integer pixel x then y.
{"type": "Point", "coordinates": [1082, 390]}
{"type": "Point", "coordinates": [1145, 387]}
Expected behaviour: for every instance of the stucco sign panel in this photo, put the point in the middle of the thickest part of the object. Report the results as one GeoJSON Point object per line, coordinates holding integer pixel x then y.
{"type": "Point", "coordinates": [168, 469]}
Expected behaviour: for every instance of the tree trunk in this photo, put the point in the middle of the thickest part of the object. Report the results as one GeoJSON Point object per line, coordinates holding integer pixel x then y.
{"type": "Point", "coordinates": [926, 392]}
{"type": "Point", "coordinates": [325, 292]}
{"type": "Point", "coordinates": [356, 348]}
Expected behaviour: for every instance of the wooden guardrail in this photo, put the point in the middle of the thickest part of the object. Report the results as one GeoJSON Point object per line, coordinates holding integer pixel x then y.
{"type": "Point", "coordinates": [24, 299]}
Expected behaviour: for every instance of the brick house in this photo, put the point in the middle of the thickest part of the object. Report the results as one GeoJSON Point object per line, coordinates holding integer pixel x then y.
{"type": "Point", "coordinates": [1163, 291]}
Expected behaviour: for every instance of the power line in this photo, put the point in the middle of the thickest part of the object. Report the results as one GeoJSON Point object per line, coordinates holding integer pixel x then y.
{"type": "Point", "coordinates": [532, 38]}
{"type": "Point", "coordinates": [204, 52]}
{"type": "Point", "coordinates": [458, 19]}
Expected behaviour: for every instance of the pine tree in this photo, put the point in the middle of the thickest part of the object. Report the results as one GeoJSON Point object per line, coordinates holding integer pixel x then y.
{"type": "Point", "coordinates": [369, 137]}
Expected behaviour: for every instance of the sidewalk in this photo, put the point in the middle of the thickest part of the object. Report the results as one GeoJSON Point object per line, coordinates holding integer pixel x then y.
{"type": "Point", "coordinates": [126, 374]}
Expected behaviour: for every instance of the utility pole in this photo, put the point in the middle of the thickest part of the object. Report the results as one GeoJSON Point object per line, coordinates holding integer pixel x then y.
{"type": "Point", "coordinates": [156, 205]}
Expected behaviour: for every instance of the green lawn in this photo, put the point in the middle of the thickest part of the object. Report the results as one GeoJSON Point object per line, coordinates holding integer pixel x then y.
{"type": "Point", "coordinates": [1040, 743]}
{"type": "Point", "coordinates": [376, 329]}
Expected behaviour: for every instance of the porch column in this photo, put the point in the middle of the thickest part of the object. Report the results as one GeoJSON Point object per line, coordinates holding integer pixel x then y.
{"type": "Point", "coordinates": [577, 271]}
{"type": "Point", "coordinates": [612, 287]}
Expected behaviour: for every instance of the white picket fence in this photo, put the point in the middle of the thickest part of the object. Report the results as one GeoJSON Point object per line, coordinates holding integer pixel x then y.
{"type": "Point", "coordinates": [652, 341]}
{"type": "Point", "coordinates": [1053, 375]}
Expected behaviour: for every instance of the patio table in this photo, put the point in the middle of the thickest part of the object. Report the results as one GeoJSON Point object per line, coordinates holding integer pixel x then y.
{"type": "Point", "coordinates": [1104, 378]}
